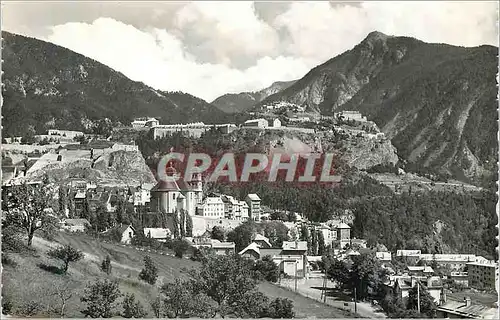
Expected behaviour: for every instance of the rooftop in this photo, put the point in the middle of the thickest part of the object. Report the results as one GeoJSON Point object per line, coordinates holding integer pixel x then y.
{"type": "Point", "coordinates": [295, 245]}
{"type": "Point", "coordinates": [253, 197]}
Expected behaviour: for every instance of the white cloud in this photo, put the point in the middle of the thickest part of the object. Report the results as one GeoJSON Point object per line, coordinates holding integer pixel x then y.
{"type": "Point", "coordinates": [157, 58]}
{"type": "Point", "coordinates": [230, 34]}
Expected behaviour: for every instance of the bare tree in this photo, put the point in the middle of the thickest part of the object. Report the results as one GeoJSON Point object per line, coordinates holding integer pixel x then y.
{"type": "Point", "coordinates": [64, 293]}
{"type": "Point", "coordinates": [27, 206]}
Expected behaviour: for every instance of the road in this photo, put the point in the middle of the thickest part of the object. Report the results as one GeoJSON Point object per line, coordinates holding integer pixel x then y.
{"type": "Point", "coordinates": [312, 288]}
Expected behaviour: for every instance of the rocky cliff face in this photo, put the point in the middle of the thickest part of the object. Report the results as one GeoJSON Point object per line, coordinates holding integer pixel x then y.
{"type": "Point", "coordinates": [239, 102]}
{"type": "Point", "coordinates": [47, 86]}
{"type": "Point", "coordinates": [114, 168]}
{"type": "Point", "coordinates": [436, 102]}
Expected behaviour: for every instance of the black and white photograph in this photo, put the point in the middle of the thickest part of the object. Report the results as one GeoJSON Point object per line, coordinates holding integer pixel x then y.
{"type": "Point", "coordinates": [249, 159]}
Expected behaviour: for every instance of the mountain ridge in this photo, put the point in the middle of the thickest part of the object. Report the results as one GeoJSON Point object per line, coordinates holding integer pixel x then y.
{"type": "Point", "coordinates": [48, 86]}
{"type": "Point", "coordinates": [240, 102]}
{"type": "Point", "coordinates": [436, 102]}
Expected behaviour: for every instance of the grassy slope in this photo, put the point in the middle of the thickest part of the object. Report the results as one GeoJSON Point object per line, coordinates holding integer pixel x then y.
{"type": "Point", "coordinates": [28, 282]}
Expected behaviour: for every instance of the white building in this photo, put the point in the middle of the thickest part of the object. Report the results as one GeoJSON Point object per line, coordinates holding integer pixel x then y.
{"type": "Point", "coordinates": [254, 209]}
{"type": "Point", "coordinates": [64, 133]}
{"type": "Point", "coordinates": [211, 207]}
{"type": "Point", "coordinates": [144, 122]}
{"type": "Point", "coordinates": [483, 275]}
{"type": "Point", "coordinates": [256, 123]}
{"type": "Point", "coordinates": [160, 234]}
{"type": "Point", "coordinates": [276, 123]}
{"type": "Point", "coordinates": [127, 232]}
{"type": "Point", "coordinates": [169, 196]}
{"type": "Point", "coordinates": [350, 115]}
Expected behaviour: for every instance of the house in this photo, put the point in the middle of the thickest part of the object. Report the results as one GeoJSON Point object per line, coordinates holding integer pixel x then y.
{"type": "Point", "coordinates": [160, 234]}
{"type": "Point", "coordinates": [420, 270]}
{"type": "Point", "coordinates": [223, 248]}
{"type": "Point", "coordinates": [350, 115]}
{"type": "Point", "coordinates": [383, 256]}
{"type": "Point", "coordinates": [256, 123]}
{"type": "Point", "coordinates": [75, 225]}
{"type": "Point", "coordinates": [465, 309]}
{"type": "Point", "coordinates": [127, 233]}
{"type": "Point", "coordinates": [291, 258]}
{"type": "Point", "coordinates": [433, 285]}
{"type": "Point", "coordinates": [483, 275]}
{"type": "Point", "coordinates": [142, 195]}
{"type": "Point", "coordinates": [230, 206]}
{"type": "Point", "coordinates": [253, 202]}
{"type": "Point", "coordinates": [211, 207]}
{"type": "Point", "coordinates": [144, 122]}
{"type": "Point", "coordinates": [276, 123]}
{"type": "Point", "coordinates": [261, 241]}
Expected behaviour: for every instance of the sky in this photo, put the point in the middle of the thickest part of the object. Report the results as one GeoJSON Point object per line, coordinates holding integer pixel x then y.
{"type": "Point", "coordinates": [209, 49]}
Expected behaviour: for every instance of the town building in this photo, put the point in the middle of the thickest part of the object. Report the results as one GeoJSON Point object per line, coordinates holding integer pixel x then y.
{"type": "Point", "coordinates": [483, 275]}
{"type": "Point", "coordinates": [262, 242]}
{"type": "Point", "coordinates": [142, 194]}
{"type": "Point", "coordinates": [165, 193]}
{"type": "Point", "coordinates": [127, 233]}
{"type": "Point", "coordinates": [65, 133]}
{"type": "Point", "coordinates": [223, 248]}
{"type": "Point", "coordinates": [455, 262]}
{"type": "Point", "coordinates": [191, 129]}
{"type": "Point", "coordinates": [231, 206]}
{"type": "Point", "coordinates": [75, 225]}
{"type": "Point", "coordinates": [211, 207]}
{"type": "Point", "coordinates": [350, 115]}
{"type": "Point", "coordinates": [254, 209]}
{"type": "Point", "coordinates": [159, 234]}
{"type": "Point", "coordinates": [433, 285]}
{"type": "Point", "coordinates": [420, 270]}
{"type": "Point", "coordinates": [256, 123]}
{"type": "Point", "coordinates": [139, 123]}
{"type": "Point", "coordinates": [276, 123]}
{"type": "Point", "coordinates": [466, 309]}
{"type": "Point", "coordinates": [291, 258]}
{"type": "Point", "coordinates": [383, 256]}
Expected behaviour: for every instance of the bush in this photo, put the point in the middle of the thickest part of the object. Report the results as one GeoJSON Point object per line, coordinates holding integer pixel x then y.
{"type": "Point", "coordinates": [180, 247]}
{"type": "Point", "coordinates": [6, 303]}
{"type": "Point", "coordinates": [266, 269]}
{"type": "Point", "coordinates": [281, 308]}
{"type": "Point", "coordinates": [29, 309]}
{"type": "Point", "coordinates": [132, 308]}
{"type": "Point", "coordinates": [100, 298]}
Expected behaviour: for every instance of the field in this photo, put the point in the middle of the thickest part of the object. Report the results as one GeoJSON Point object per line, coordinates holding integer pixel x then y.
{"type": "Point", "coordinates": [31, 283]}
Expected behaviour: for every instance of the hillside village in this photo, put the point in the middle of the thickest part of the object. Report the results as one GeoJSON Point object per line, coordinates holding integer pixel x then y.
{"type": "Point", "coordinates": [398, 135]}
{"type": "Point", "coordinates": [124, 206]}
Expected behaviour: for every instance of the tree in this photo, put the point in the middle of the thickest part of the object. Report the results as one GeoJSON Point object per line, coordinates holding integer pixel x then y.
{"type": "Point", "coordinates": [180, 247]}
{"type": "Point", "coordinates": [182, 301]}
{"type": "Point", "coordinates": [427, 305]}
{"type": "Point", "coordinates": [132, 308]}
{"type": "Point", "coordinates": [217, 233]}
{"type": "Point", "coordinates": [367, 275]}
{"type": "Point", "coordinates": [276, 231]}
{"type": "Point", "coordinates": [100, 298]}
{"type": "Point", "coordinates": [225, 279]}
{"type": "Point", "coordinates": [314, 243]}
{"type": "Point", "coordinates": [64, 293]}
{"type": "Point", "coordinates": [149, 273]}
{"type": "Point", "coordinates": [266, 269]}
{"type": "Point", "coordinates": [189, 226]}
{"type": "Point", "coordinates": [157, 307]}
{"type": "Point", "coordinates": [182, 223]}
{"type": "Point", "coordinates": [337, 271]}
{"type": "Point", "coordinates": [26, 206]}
{"type": "Point", "coordinates": [242, 235]}
{"type": "Point", "coordinates": [106, 265]}
{"type": "Point", "coordinates": [67, 254]}
{"type": "Point", "coordinates": [281, 308]}
{"type": "Point", "coordinates": [321, 244]}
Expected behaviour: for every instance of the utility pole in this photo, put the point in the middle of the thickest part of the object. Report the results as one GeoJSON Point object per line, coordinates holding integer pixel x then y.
{"type": "Point", "coordinates": [297, 262]}
{"type": "Point", "coordinates": [418, 296]}
{"type": "Point", "coordinates": [355, 301]}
